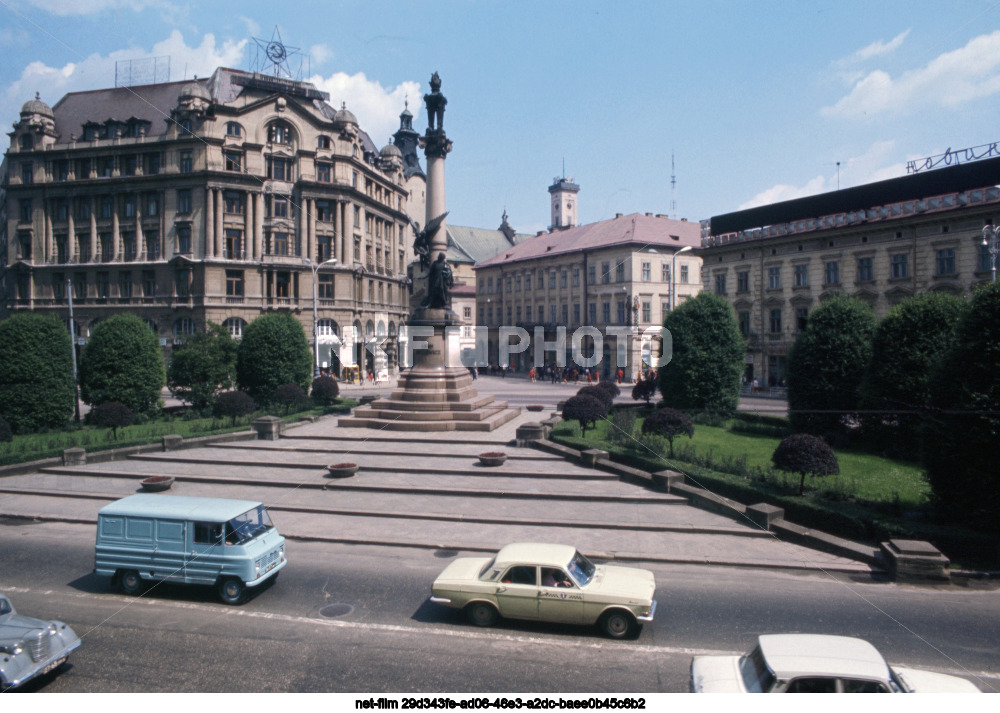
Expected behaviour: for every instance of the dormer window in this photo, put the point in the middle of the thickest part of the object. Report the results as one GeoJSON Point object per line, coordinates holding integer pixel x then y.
{"type": "Point", "coordinates": [185, 127]}
{"type": "Point", "coordinates": [323, 142]}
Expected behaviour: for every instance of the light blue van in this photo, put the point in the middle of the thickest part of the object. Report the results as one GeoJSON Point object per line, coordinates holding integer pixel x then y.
{"type": "Point", "coordinates": [228, 544]}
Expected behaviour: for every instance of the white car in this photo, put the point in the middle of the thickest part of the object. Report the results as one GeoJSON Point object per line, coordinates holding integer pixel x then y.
{"type": "Point", "coordinates": [811, 663]}
{"type": "Point", "coordinates": [31, 647]}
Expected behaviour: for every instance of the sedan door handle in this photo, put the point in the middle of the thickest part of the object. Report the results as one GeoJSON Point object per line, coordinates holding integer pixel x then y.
{"type": "Point", "coordinates": [501, 589]}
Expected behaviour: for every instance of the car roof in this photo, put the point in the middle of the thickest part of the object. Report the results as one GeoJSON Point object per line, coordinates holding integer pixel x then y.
{"type": "Point", "coordinates": [535, 553]}
{"type": "Point", "coordinates": [178, 507]}
{"type": "Point", "coordinates": [794, 655]}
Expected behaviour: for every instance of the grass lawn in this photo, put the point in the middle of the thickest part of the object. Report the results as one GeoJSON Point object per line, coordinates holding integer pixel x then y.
{"type": "Point", "coordinates": [864, 476]}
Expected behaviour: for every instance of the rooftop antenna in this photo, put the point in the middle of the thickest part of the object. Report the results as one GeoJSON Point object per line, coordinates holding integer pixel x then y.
{"type": "Point", "coordinates": [564, 167]}
{"type": "Point", "coordinates": [673, 188]}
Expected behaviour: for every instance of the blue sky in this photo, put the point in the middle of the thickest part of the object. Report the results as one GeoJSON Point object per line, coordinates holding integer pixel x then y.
{"type": "Point", "coordinates": [757, 101]}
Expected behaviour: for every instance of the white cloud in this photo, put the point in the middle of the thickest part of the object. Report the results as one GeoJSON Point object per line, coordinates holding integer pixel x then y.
{"type": "Point", "coordinates": [98, 71]}
{"type": "Point", "coordinates": [784, 192]}
{"type": "Point", "coordinates": [253, 29]}
{"type": "Point", "coordinates": [953, 78]}
{"type": "Point", "coordinates": [377, 107]}
{"type": "Point", "coordinates": [319, 54]}
{"type": "Point", "coordinates": [879, 48]}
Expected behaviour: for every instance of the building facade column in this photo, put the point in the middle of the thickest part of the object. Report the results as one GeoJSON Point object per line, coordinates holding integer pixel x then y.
{"type": "Point", "coordinates": [248, 236]}
{"type": "Point", "coordinates": [209, 249]}
{"type": "Point", "coordinates": [116, 236]}
{"type": "Point", "coordinates": [219, 233]}
{"type": "Point", "coordinates": [311, 225]}
{"type": "Point", "coordinates": [93, 229]}
{"type": "Point", "coordinates": [72, 250]}
{"type": "Point", "coordinates": [258, 225]}
{"type": "Point", "coordinates": [140, 241]}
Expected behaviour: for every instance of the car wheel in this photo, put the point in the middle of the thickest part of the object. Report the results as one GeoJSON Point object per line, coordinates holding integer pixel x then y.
{"type": "Point", "coordinates": [619, 625]}
{"type": "Point", "coordinates": [482, 614]}
{"type": "Point", "coordinates": [231, 591]}
{"type": "Point", "coordinates": [129, 582]}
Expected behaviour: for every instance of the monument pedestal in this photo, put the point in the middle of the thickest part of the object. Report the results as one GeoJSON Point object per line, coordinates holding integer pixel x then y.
{"type": "Point", "coordinates": [435, 394]}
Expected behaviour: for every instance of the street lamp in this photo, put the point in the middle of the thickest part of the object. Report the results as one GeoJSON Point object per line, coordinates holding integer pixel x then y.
{"type": "Point", "coordinates": [315, 267]}
{"type": "Point", "coordinates": [991, 241]}
{"type": "Point", "coordinates": [72, 351]}
{"type": "Point", "coordinates": [673, 274]}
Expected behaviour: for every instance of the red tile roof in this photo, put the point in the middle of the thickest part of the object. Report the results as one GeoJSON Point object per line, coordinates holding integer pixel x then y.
{"type": "Point", "coordinates": [636, 230]}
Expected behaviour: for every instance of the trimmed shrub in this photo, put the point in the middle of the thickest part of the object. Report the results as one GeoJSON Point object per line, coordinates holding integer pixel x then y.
{"type": "Point", "coordinates": [113, 415]}
{"type": "Point", "coordinates": [233, 404]}
{"type": "Point", "coordinates": [203, 366]}
{"type": "Point", "coordinates": [644, 390]}
{"type": "Point", "coordinates": [602, 395]}
{"type": "Point", "coordinates": [289, 395]}
{"type": "Point", "coordinates": [272, 352]}
{"type": "Point", "coordinates": [325, 390]}
{"type": "Point", "coordinates": [706, 357]}
{"type": "Point", "coordinates": [584, 408]}
{"type": "Point", "coordinates": [826, 366]}
{"type": "Point", "coordinates": [609, 386]}
{"type": "Point", "coordinates": [669, 423]}
{"type": "Point", "coordinates": [5, 435]}
{"type": "Point", "coordinates": [805, 454]}
{"type": "Point", "coordinates": [36, 372]}
{"type": "Point", "coordinates": [123, 362]}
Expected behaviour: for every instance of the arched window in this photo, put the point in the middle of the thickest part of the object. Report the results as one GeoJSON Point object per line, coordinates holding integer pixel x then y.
{"type": "Point", "coordinates": [369, 331]}
{"type": "Point", "coordinates": [380, 329]}
{"type": "Point", "coordinates": [279, 133]}
{"type": "Point", "coordinates": [323, 142]}
{"type": "Point", "coordinates": [152, 325]}
{"type": "Point", "coordinates": [233, 129]}
{"type": "Point", "coordinates": [327, 328]}
{"type": "Point", "coordinates": [235, 325]}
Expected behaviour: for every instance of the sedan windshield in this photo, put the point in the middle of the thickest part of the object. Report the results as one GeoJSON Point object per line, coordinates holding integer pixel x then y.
{"type": "Point", "coordinates": [247, 526]}
{"type": "Point", "coordinates": [581, 569]}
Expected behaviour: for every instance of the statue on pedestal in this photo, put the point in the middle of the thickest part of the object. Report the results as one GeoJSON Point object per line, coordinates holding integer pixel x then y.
{"type": "Point", "coordinates": [435, 104]}
{"type": "Point", "coordinates": [422, 239]}
{"type": "Point", "coordinates": [439, 282]}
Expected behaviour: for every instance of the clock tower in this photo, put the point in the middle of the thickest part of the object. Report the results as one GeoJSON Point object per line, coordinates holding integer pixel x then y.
{"type": "Point", "coordinates": [563, 192]}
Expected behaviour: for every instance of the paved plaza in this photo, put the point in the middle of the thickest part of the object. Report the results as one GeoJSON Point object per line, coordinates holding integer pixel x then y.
{"type": "Point", "coordinates": [426, 490]}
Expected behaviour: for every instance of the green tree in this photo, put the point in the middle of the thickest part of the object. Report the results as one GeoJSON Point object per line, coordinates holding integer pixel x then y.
{"type": "Point", "coordinates": [113, 415]}
{"type": "Point", "coordinates": [669, 423]}
{"type": "Point", "coordinates": [203, 366]}
{"type": "Point", "coordinates": [123, 362]}
{"type": "Point", "coordinates": [233, 404]}
{"type": "Point", "coordinates": [826, 366]}
{"type": "Point", "coordinates": [806, 455]}
{"type": "Point", "coordinates": [36, 372]}
{"type": "Point", "coordinates": [584, 408]}
{"type": "Point", "coordinates": [605, 396]}
{"type": "Point", "coordinates": [272, 352]}
{"type": "Point", "coordinates": [906, 348]}
{"type": "Point", "coordinates": [963, 430]}
{"type": "Point", "coordinates": [324, 390]}
{"type": "Point", "coordinates": [707, 358]}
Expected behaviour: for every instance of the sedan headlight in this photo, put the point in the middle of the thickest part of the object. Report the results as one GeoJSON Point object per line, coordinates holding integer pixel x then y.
{"type": "Point", "coordinates": [12, 649]}
{"type": "Point", "coordinates": [53, 630]}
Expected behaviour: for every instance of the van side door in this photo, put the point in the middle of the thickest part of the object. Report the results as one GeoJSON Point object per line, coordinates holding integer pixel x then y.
{"type": "Point", "coordinates": [205, 552]}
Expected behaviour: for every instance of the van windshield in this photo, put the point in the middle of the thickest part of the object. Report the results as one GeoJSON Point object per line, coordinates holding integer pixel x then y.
{"type": "Point", "coordinates": [247, 526]}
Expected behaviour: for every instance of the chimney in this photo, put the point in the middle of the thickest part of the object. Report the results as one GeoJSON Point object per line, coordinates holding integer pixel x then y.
{"type": "Point", "coordinates": [618, 215]}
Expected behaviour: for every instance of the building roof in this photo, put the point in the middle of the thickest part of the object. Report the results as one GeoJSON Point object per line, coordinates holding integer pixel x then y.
{"type": "Point", "coordinates": [951, 179]}
{"type": "Point", "coordinates": [642, 231]}
{"type": "Point", "coordinates": [473, 245]}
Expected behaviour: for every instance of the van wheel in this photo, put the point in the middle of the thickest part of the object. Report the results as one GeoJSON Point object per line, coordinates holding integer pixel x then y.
{"type": "Point", "coordinates": [619, 625]}
{"type": "Point", "coordinates": [129, 582]}
{"type": "Point", "coordinates": [231, 591]}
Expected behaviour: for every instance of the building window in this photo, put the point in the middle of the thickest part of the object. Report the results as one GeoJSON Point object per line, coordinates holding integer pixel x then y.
{"type": "Point", "coordinates": [743, 281]}
{"type": "Point", "coordinates": [234, 161]}
{"type": "Point", "coordinates": [744, 318]}
{"type": "Point", "coordinates": [565, 314]}
{"type": "Point", "coordinates": [592, 313]}
{"type": "Point", "coordinates": [279, 134]}
{"type": "Point", "coordinates": [720, 284]}
{"type": "Point", "coordinates": [129, 206]}
{"type": "Point", "coordinates": [107, 206]}
{"type": "Point", "coordinates": [25, 207]}
{"type": "Point", "coordinates": [152, 205]}
{"type": "Point", "coordinates": [152, 164]}
{"type": "Point", "coordinates": [684, 274]}
{"type": "Point", "coordinates": [323, 142]}
{"type": "Point", "coordinates": [774, 278]}
{"type": "Point", "coordinates": [527, 282]}
{"type": "Point", "coordinates": [279, 169]}
{"type": "Point", "coordinates": [832, 273]}
{"type": "Point", "coordinates": [801, 277]}
{"type": "Point", "coordinates": [552, 280]}
{"type": "Point", "coordinates": [647, 312]}
{"type": "Point", "coordinates": [234, 244]}
{"type": "Point", "coordinates": [234, 283]}
{"type": "Point", "coordinates": [647, 270]}
{"type": "Point", "coordinates": [27, 173]}
{"type": "Point", "coordinates": [620, 272]}
{"type": "Point", "coordinates": [184, 239]}
{"type": "Point", "coordinates": [60, 170]}
{"type": "Point", "coordinates": [865, 271]}
{"type": "Point", "coordinates": [323, 172]}
{"type": "Point", "coordinates": [128, 246]}
{"type": "Point", "coordinates": [576, 277]}
{"type": "Point", "coordinates": [152, 244]}
{"type": "Point", "coordinates": [801, 318]}
{"type": "Point", "coordinates": [552, 314]}
{"type": "Point", "coordinates": [899, 264]}
{"type": "Point", "coordinates": [233, 129]}
{"type": "Point", "coordinates": [79, 285]}
{"type": "Point", "coordinates": [186, 162]}
{"type": "Point", "coordinates": [235, 326]}
{"type": "Point", "coordinates": [279, 207]}
{"type": "Point", "coordinates": [775, 321]}
{"type": "Point", "coordinates": [131, 165]}
{"type": "Point", "coordinates": [148, 283]}
{"type": "Point", "coordinates": [946, 261]}
{"type": "Point", "coordinates": [183, 327]}
{"type": "Point", "coordinates": [83, 245]}
{"type": "Point", "coordinates": [576, 313]}
{"type": "Point", "coordinates": [325, 287]}
{"type": "Point", "coordinates": [541, 314]}
{"type": "Point", "coordinates": [518, 315]}
{"type": "Point", "coordinates": [563, 276]}
{"type": "Point", "coordinates": [103, 285]}
{"type": "Point", "coordinates": [27, 142]}
{"type": "Point", "coordinates": [83, 168]}
{"type": "Point", "coordinates": [107, 247]}
{"type": "Point", "coordinates": [591, 275]}
{"type": "Point", "coordinates": [58, 286]}
{"type": "Point", "coordinates": [606, 312]}
{"type": "Point", "coordinates": [622, 312]}
{"type": "Point", "coordinates": [62, 248]}
{"type": "Point", "coordinates": [184, 200]}
{"type": "Point", "coordinates": [125, 284]}
{"type": "Point", "coordinates": [605, 273]}
{"type": "Point", "coordinates": [234, 203]}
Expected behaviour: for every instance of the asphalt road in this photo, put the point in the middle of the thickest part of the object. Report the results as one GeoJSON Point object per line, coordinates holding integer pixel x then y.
{"type": "Point", "coordinates": [357, 619]}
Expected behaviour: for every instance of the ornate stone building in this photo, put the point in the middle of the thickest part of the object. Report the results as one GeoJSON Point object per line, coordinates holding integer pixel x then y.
{"type": "Point", "coordinates": [614, 276]}
{"type": "Point", "coordinates": [214, 200]}
{"type": "Point", "coordinates": [881, 242]}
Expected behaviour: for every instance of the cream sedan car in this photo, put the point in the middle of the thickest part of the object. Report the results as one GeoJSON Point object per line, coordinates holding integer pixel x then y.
{"type": "Point", "coordinates": [811, 663]}
{"type": "Point", "coordinates": [552, 583]}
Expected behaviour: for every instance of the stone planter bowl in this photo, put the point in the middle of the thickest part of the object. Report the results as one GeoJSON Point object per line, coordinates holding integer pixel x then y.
{"type": "Point", "coordinates": [492, 459]}
{"type": "Point", "coordinates": [341, 470]}
{"type": "Point", "coordinates": [536, 407]}
{"type": "Point", "coordinates": [156, 483]}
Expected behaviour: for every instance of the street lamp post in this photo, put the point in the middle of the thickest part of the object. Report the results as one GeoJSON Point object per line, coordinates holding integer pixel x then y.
{"type": "Point", "coordinates": [673, 274]}
{"type": "Point", "coordinates": [991, 241]}
{"type": "Point", "coordinates": [315, 267]}
{"type": "Point", "coordinates": [72, 351]}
